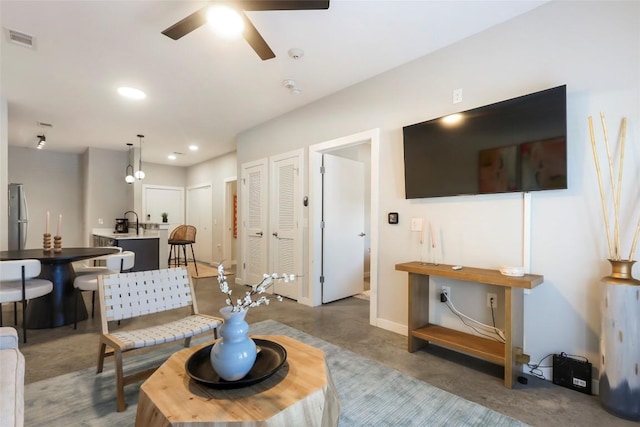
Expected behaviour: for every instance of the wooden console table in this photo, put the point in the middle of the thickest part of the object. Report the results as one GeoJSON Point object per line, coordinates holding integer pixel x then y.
{"type": "Point", "coordinates": [508, 354]}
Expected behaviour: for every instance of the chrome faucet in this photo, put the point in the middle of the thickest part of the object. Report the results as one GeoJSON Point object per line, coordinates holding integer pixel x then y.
{"type": "Point", "coordinates": [137, 225]}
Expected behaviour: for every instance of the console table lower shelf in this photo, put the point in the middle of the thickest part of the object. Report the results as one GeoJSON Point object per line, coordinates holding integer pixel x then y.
{"type": "Point", "coordinates": [508, 354]}
{"type": "Point", "coordinates": [482, 348]}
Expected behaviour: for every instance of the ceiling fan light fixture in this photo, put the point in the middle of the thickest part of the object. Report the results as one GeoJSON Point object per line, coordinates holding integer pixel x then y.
{"type": "Point", "coordinates": [131, 93]}
{"type": "Point", "coordinates": [225, 21]}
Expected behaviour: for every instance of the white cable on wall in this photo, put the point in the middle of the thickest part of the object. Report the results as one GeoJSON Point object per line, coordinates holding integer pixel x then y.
{"type": "Point", "coordinates": [489, 328]}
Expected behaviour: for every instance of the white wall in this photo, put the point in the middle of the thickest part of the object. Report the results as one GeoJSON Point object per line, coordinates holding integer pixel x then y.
{"type": "Point", "coordinates": [593, 48]}
{"type": "Point", "coordinates": [106, 195]}
{"type": "Point", "coordinates": [53, 182]}
{"type": "Point", "coordinates": [214, 172]}
{"type": "Point", "coordinates": [4, 173]}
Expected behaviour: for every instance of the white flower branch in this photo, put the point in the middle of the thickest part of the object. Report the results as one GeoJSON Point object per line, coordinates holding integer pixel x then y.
{"type": "Point", "coordinates": [247, 301]}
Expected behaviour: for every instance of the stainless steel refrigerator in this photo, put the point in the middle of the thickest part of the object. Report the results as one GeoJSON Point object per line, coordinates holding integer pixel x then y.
{"type": "Point", "coordinates": [18, 217]}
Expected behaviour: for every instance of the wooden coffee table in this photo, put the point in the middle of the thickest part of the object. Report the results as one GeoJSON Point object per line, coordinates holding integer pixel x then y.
{"type": "Point", "coordinates": [300, 393]}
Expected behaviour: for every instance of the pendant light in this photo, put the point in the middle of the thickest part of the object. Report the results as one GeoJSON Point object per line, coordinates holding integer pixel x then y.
{"type": "Point", "coordinates": [129, 171]}
{"type": "Point", "coordinates": [140, 173]}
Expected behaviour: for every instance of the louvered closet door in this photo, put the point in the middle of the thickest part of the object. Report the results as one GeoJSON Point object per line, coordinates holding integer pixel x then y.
{"type": "Point", "coordinates": [254, 220]}
{"type": "Point", "coordinates": [286, 244]}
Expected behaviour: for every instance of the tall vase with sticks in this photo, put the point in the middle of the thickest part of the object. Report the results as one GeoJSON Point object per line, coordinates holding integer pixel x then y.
{"type": "Point", "coordinates": [620, 322]}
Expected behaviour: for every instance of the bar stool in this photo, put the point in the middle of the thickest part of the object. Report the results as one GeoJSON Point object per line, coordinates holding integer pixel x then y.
{"type": "Point", "coordinates": [19, 282]}
{"type": "Point", "coordinates": [180, 237]}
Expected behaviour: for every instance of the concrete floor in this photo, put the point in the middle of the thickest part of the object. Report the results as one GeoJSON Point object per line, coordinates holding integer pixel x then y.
{"type": "Point", "coordinates": [52, 352]}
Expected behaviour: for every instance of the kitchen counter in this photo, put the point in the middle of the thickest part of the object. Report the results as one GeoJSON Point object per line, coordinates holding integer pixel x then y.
{"type": "Point", "coordinates": [150, 246]}
{"type": "Point", "coordinates": [145, 234]}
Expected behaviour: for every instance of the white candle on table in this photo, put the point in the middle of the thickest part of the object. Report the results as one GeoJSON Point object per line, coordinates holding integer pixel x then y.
{"type": "Point", "coordinates": [47, 227]}
{"type": "Point", "coordinates": [59, 224]}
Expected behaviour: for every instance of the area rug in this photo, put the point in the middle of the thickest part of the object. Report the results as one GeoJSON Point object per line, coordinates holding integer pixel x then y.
{"type": "Point", "coordinates": [204, 270]}
{"type": "Point", "coordinates": [371, 394]}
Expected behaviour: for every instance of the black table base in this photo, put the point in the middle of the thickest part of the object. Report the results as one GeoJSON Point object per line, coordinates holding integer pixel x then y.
{"type": "Point", "coordinates": [56, 308]}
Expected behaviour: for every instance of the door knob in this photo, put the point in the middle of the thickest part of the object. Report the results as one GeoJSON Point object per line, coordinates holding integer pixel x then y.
{"type": "Point", "coordinates": [259, 233]}
{"type": "Point", "coordinates": [361, 234]}
{"type": "Point", "coordinates": [275, 234]}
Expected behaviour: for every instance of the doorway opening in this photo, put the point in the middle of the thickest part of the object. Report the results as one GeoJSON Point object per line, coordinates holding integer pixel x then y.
{"type": "Point", "coordinates": [349, 146]}
{"type": "Point", "coordinates": [230, 223]}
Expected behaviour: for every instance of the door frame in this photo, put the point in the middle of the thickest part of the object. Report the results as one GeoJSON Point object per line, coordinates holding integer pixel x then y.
{"type": "Point", "coordinates": [372, 137]}
{"type": "Point", "coordinates": [186, 208]}
{"type": "Point", "coordinates": [227, 221]}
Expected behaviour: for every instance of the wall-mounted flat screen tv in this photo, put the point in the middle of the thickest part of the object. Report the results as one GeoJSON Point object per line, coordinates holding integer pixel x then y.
{"type": "Point", "coordinates": [511, 146]}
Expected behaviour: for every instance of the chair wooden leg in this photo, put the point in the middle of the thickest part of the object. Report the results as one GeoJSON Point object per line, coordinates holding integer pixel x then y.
{"type": "Point", "coordinates": [170, 253]}
{"type": "Point", "coordinates": [184, 251]}
{"type": "Point", "coordinates": [119, 380]}
{"type": "Point", "coordinates": [101, 352]}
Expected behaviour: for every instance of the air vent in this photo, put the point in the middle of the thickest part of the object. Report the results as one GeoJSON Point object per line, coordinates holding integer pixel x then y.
{"type": "Point", "coordinates": [46, 125]}
{"type": "Point", "coordinates": [21, 38]}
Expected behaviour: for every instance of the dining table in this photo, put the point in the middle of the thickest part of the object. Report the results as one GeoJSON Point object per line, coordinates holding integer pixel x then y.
{"type": "Point", "coordinates": [58, 307]}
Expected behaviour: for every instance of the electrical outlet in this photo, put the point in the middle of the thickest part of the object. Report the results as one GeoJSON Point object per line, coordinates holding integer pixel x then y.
{"type": "Point", "coordinates": [493, 297]}
{"type": "Point", "coordinates": [447, 291]}
{"type": "Point", "coordinates": [416, 224]}
{"type": "Point", "coordinates": [457, 96]}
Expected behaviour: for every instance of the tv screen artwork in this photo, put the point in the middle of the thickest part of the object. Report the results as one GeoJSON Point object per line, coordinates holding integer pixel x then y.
{"type": "Point", "coordinates": [510, 146]}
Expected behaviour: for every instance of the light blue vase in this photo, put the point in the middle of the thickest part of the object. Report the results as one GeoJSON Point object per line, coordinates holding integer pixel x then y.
{"type": "Point", "coordinates": [233, 356]}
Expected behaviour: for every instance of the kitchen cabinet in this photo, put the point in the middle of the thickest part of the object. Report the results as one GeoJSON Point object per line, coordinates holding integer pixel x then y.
{"type": "Point", "coordinates": [145, 246]}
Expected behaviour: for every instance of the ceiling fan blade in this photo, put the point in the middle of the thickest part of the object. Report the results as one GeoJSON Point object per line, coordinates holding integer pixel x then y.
{"type": "Point", "coordinates": [282, 4]}
{"type": "Point", "coordinates": [255, 40]}
{"type": "Point", "coordinates": [186, 25]}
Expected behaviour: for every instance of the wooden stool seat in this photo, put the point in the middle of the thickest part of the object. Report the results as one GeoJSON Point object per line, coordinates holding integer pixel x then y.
{"type": "Point", "coordinates": [180, 237]}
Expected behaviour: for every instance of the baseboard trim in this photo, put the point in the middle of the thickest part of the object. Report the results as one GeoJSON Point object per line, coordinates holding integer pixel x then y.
{"type": "Point", "coordinates": [391, 326]}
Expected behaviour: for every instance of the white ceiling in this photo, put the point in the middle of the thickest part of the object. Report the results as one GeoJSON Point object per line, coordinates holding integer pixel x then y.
{"type": "Point", "coordinates": [202, 89]}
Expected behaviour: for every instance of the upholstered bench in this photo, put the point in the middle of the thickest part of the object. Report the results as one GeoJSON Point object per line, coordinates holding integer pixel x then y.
{"type": "Point", "coordinates": [11, 379]}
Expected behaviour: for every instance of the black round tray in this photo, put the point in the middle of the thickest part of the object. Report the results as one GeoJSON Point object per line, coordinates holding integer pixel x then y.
{"type": "Point", "coordinates": [269, 359]}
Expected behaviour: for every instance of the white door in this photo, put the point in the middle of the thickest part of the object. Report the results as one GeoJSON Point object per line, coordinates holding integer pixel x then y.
{"type": "Point", "coordinates": [157, 199]}
{"type": "Point", "coordinates": [343, 232]}
{"type": "Point", "coordinates": [286, 238]}
{"type": "Point", "coordinates": [254, 221]}
{"type": "Point", "coordinates": [200, 215]}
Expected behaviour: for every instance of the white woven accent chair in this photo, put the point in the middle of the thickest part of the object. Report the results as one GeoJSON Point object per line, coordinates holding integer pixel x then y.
{"type": "Point", "coordinates": [19, 283]}
{"type": "Point", "coordinates": [130, 295]}
{"type": "Point", "coordinates": [88, 279]}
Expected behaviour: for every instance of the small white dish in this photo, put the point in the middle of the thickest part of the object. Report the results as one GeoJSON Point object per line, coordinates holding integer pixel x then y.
{"type": "Point", "coordinates": [512, 271]}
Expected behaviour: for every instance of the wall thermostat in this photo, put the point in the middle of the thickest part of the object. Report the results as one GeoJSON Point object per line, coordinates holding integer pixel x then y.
{"type": "Point", "coordinates": [393, 217]}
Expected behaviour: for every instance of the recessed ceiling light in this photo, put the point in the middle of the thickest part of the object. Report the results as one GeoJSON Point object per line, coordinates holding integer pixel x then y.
{"type": "Point", "coordinates": [452, 119]}
{"type": "Point", "coordinates": [193, 147]}
{"type": "Point", "coordinates": [131, 93]}
{"type": "Point", "coordinates": [171, 157]}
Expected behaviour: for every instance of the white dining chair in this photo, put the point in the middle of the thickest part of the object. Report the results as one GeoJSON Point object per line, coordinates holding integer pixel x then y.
{"type": "Point", "coordinates": [19, 283]}
{"type": "Point", "coordinates": [115, 263]}
{"type": "Point", "coordinates": [91, 266]}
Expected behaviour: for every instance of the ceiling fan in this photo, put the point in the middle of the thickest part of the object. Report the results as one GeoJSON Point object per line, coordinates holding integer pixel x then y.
{"type": "Point", "coordinates": [250, 33]}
